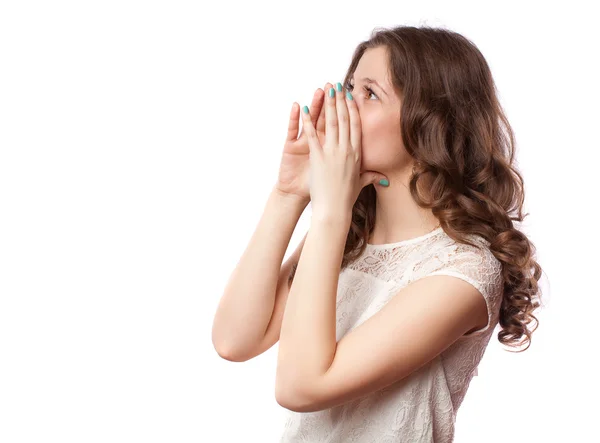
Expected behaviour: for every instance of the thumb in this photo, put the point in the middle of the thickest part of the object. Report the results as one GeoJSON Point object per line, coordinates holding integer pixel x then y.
{"type": "Point", "coordinates": [374, 178]}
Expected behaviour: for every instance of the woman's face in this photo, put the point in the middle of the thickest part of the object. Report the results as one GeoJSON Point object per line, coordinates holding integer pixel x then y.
{"type": "Point", "coordinates": [379, 110]}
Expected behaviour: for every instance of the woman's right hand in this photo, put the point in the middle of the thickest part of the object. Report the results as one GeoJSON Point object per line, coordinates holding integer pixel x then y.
{"type": "Point", "coordinates": [294, 171]}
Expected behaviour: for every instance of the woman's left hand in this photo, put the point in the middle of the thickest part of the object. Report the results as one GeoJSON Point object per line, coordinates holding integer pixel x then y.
{"type": "Point", "coordinates": [335, 178]}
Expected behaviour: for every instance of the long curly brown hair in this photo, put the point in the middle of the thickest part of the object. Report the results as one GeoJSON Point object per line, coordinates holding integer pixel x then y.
{"type": "Point", "coordinates": [455, 129]}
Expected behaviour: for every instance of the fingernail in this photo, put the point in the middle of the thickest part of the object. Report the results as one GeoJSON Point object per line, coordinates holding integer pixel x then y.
{"type": "Point", "coordinates": [331, 92]}
{"type": "Point", "coordinates": [349, 95]}
{"type": "Point", "coordinates": [305, 109]}
{"type": "Point", "coordinates": [384, 182]}
{"type": "Point", "coordinates": [339, 86]}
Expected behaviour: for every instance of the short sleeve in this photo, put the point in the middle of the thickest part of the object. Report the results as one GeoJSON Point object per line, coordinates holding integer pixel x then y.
{"type": "Point", "coordinates": [477, 266]}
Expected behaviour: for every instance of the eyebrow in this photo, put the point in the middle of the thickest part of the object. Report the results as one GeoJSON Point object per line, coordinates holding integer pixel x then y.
{"type": "Point", "coordinates": [370, 80]}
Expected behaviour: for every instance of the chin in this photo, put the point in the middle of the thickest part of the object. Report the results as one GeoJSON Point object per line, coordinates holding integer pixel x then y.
{"type": "Point", "coordinates": [365, 166]}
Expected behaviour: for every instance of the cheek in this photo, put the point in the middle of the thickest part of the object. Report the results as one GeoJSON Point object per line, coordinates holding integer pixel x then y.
{"type": "Point", "coordinates": [368, 125]}
{"type": "Point", "coordinates": [378, 128]}
{"type": "Point", "coordinates": [380, 142]}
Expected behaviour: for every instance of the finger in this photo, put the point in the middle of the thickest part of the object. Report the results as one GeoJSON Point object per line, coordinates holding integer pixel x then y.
{"type": "Point", "coordinates": [315, 107]}
{"type": "Point", "coordinates": [355, 124]}
{"type": "Point", "coordinates": [371, 177]}
{"type": "Point", "coordinates": [317, 104]}
{"type": "Point", "coordinates": [309, 130]}
{"type": "Point", "coordinates": [320, 126]}
{"type": "Point", "coordinates": [343, 117]}
{"type": "Point", "coordinates": [292, 133]}
{"type": "Point", "coordinates": [321, 120]}
{"type": "Point", "coordinates": [331, 120]}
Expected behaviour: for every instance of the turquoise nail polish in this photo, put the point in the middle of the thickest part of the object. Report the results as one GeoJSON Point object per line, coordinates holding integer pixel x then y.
{"type": "Point", "coordinates": [349, 95]}
{"type": "Point", "coordinates": [339, 86]}
{"type": "Point", "coordinates": [305, 109]}
{"type": "Point", "coordinates": [384, 182]}
{"type": "Point", "coordinates": [331, 92]}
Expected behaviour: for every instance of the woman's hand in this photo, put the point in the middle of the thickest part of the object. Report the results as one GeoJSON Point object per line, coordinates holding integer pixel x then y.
{"type": "Point", "coordinates": [335, 178]}
{"type": "Point", "coordinates": [294, 169]}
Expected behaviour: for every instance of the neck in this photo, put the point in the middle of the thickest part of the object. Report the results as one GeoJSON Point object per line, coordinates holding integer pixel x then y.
{"type": "Point", "coordinates": [397, 216]}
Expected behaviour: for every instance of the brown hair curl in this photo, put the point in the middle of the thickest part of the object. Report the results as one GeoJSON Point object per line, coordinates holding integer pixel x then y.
{"type": "Point", "coordinates": [454, 127]}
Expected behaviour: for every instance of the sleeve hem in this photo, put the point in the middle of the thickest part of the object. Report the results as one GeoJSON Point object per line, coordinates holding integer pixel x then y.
{"type": "Point", "coordinates": [477, 286]}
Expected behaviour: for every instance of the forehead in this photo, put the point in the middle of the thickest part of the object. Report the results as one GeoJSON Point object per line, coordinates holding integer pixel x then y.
{"type": "Point", "coordinates": [373, 64]}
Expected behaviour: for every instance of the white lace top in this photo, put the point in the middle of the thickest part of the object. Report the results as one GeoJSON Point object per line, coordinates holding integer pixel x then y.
{"type": "Point", "coordinates": [423, 407]}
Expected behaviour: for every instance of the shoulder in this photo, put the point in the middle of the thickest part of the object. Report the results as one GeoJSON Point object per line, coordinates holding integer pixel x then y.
{"type": "Point", "coordinates": [474, 263]}
{"type": "Point", "coordinates": [477, 249]}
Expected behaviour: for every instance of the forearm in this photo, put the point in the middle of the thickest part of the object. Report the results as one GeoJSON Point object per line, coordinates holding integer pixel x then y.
{"type": "Point", "coordinates": [246, 306]}
{"type": "Point", "coordinates": [307, 341]}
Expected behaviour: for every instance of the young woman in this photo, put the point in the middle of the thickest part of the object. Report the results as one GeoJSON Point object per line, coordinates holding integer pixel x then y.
{"type": "Point", "coordinates": [411, 259]}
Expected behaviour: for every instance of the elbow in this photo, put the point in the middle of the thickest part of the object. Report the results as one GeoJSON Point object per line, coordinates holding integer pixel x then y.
{"type": "Point", "coordinates": [289, 396]}
{"type": "Point", "coordinates": [227, 353]}
{"type": "Point", "coordinates": [228, 356]}
{"type": "Point", "coordinates": [290, 402]}
{"type": "Point", "coordinates": [285, 399]}
{"type": "Point", "coordinates": [282, 393]}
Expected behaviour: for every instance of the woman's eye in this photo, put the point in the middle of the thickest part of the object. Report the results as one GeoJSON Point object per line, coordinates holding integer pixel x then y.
{"type": "Point", "coordinates": [368, 90]}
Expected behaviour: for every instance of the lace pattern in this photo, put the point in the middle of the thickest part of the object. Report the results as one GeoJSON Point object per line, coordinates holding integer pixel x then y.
{"type": "Point", "coordinates": [422, 407]}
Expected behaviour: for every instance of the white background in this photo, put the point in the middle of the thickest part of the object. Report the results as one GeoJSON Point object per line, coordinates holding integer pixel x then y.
{"type": "Point", "coordinates": [139, 142]}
